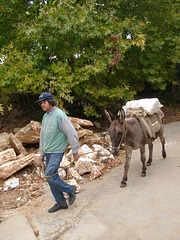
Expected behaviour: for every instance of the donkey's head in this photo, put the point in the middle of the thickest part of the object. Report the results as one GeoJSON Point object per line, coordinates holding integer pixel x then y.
{"type": "Point", "coordinates": [116, 130]}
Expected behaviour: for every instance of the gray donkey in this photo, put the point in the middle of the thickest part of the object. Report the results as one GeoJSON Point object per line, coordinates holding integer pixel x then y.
{"type": "Point", "coordinates": [131, 131]}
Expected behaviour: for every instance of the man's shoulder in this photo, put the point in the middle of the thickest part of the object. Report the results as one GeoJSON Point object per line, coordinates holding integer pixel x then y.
{"type": "Point", "coordinates": [60, 113]}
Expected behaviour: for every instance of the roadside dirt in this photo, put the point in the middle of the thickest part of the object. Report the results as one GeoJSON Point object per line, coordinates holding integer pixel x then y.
{"type": "Point", "coordinates": [31, 187]}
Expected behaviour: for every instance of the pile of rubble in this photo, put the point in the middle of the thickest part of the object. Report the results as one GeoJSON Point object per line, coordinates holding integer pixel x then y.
{"type": "Point", "coordinates": [95, 159]}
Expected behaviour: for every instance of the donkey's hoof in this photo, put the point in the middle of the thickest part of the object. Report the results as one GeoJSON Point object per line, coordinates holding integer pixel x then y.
{"type": "Point", "coordinates": [123, 184]}
{"type": "Point", "coordinates": [143, 174]}
{"type": "Point", "coordinates": [164, 155]}
{"type": "Point", "coordinates": [148, 164]}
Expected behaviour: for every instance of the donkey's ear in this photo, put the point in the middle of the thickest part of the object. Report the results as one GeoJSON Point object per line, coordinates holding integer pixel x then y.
{"type": "Point", "coordinates": [109, 116]}
{"type": "Point", "coordinates": [121, 114]}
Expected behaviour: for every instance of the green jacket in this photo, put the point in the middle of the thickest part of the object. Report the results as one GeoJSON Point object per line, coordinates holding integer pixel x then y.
{"type": "Point", "coordinates": [56, 131]}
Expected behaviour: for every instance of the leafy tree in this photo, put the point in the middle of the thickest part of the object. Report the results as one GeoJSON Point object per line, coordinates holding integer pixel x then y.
{"type": "Point", "coordinates": [157, 65]}
{"type": "Point", "coordinates": [89, 52]}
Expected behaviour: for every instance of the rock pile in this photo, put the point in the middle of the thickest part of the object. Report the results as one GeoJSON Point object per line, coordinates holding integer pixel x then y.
{"type": "Point", "coordinates": [95, 158]}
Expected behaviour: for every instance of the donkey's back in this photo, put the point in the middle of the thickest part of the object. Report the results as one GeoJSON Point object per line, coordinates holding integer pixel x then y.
{"type": "Point", "coordinates": [136, 133]}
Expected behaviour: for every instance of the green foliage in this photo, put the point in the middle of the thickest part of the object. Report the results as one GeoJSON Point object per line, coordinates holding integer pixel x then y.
{"type": "Point", "coordinates": [1, 109]}
{"type": "Point", "coordinates": [93, 51]}
{"type": "Point", "coordinates": [157, 65]}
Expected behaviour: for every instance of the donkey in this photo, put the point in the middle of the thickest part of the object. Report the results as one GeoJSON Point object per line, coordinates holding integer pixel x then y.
{"type": "Point", "coordinates": [134, 135]}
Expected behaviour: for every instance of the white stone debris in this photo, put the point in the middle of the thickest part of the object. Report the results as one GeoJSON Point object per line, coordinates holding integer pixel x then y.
{"type": "Point", "coordinates": [11, 183]}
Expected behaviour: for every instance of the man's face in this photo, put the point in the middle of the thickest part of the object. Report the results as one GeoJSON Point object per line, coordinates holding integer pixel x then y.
{"type": "Point", "coordinates": [45, 106]}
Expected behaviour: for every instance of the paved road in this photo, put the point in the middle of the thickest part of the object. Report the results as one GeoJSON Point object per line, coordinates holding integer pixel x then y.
{"type": "Point", "coordinates": [148, 208]}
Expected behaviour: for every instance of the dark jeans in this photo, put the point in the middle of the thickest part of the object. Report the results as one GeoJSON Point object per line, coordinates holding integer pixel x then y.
{"type": "Point", "coordinates": [56, 184]}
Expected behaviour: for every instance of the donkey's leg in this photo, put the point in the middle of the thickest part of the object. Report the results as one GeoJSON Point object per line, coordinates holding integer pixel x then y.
{"type": "Point", "coordinates": [126, 165]}
{"type": "Point", "coordinates": [143, 160]}
{"type": "Point", "coordinates": [150, 146]}
{"type": "Point", "coordinates": [162, 138]}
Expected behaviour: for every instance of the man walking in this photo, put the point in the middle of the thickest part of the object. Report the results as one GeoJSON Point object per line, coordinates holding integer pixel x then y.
{"type": "Point", "coordinates": [56, 131]}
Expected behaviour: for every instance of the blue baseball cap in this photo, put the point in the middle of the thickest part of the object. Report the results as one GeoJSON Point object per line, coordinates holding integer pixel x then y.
{"type": "Point", "coordinates": [44, 96]}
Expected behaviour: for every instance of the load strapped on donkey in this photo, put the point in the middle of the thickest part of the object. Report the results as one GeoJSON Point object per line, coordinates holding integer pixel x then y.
{"type": "Point", "coordinates": [138, 123]}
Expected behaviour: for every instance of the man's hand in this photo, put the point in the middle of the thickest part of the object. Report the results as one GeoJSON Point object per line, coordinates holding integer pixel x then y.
{"type": "Point", "coordinates": [76, 156]}
{"type": "Point", "coordinates": [41, 160]}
